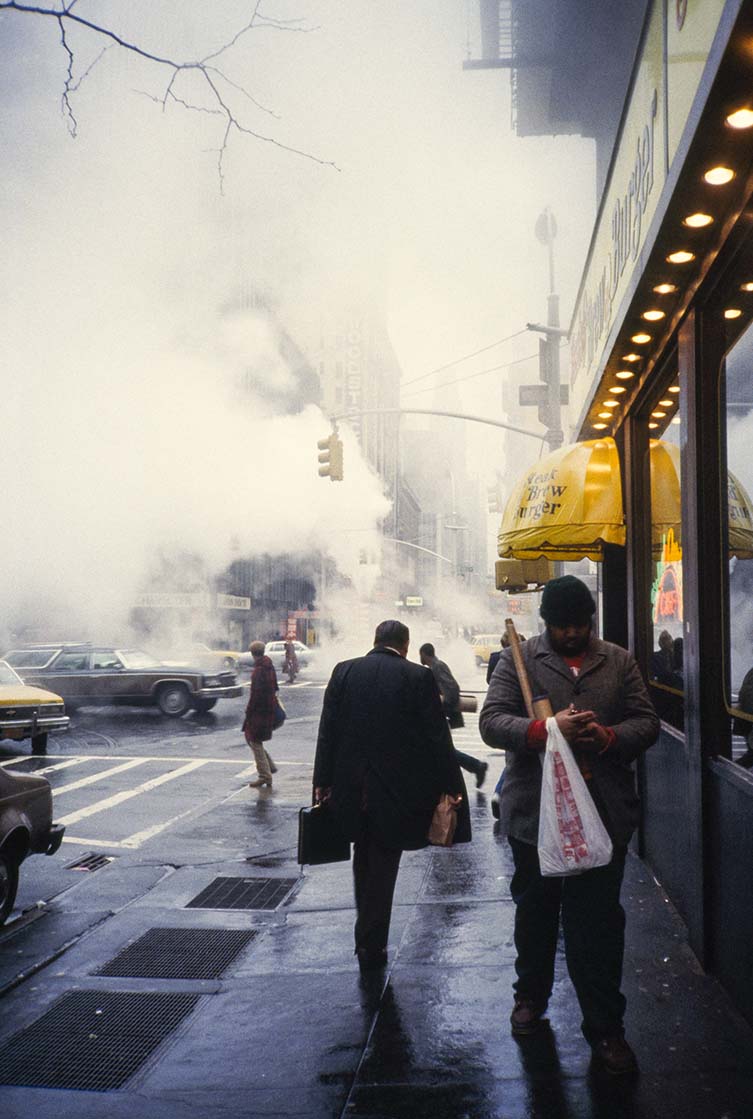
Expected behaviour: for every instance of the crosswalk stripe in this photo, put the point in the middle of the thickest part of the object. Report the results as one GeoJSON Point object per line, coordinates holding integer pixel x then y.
{"type": "Point", "coordinates": [93, 778]}
{"type": "Point", "coordinates": [118, 798]}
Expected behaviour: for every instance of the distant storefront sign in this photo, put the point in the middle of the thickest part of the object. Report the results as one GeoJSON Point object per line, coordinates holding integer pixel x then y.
{"type": "Point", "coordinates": [233, 602]}
{"type": "Point", "coordinates": [165, 600]}
{"type": "Point", "coordinates": [413, 600]}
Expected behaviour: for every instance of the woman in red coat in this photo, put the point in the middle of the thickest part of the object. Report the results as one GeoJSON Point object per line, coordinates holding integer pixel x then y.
{"type": "Point", "coordinates": [260, 714]}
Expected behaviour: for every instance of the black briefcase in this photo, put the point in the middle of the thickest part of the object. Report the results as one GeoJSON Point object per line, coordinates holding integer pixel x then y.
{"type": "Point", "coordinates": [319, 838]}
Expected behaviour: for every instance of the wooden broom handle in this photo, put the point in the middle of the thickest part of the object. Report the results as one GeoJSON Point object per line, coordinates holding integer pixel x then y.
{"type": "Point", "coordinates": [540, 708]}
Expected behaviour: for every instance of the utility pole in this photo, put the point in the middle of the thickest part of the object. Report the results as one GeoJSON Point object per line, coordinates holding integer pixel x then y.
{"type": "Point", "coordinates": [550, 395]}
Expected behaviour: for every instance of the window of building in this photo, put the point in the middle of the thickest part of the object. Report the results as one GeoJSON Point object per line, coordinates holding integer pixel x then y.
{"type": "Point", "coordinates": [665, 601]}
{"type": "Point", "coordinates": [737, 419]}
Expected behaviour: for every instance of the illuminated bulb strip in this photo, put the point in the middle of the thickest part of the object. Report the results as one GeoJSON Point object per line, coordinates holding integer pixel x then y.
{"type": "Point", "coordinates": [673, 388]}
{"type": "Point", "coordinates": [624, 374]}
{"type": "Point", "coordinates": [610, 403]}
{"type": "Point", "coordinates": [617, 389]}
{"type": "Point", "coordinates": [640, 339]}
{"type": "Point", "coordinates": [598, 427]}
{"type": "Point", "coordinates": [665, 289]}
{"type": "Point", "coordinates": [697, 221]}
{"type": "Point", "coordinates": [681, 256]}
{"type": "Point", "coordinates": [747, 286]}
{"type": "Point", "coordinates": [741, 118]}
{"type": "Point", "coordinates": [653, 315]}
{"type": "Point", "coordinates": [632, 357]}
{"type": "Point", "coordinates": [732, 313]}
{"type": "Point", "coordinates": [718, 176]}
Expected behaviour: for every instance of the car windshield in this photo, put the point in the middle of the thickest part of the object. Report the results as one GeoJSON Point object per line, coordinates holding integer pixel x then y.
{"type": "Point", "coordinates": [137, 658]}
{"type": "Point", "coordinates": [7, 675]}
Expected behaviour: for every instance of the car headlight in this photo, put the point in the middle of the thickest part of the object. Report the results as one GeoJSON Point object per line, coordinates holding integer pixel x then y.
{"type": "Point", "coordinates": [52, 709]}
{"type": "Point", "coordinates": [212, 681]}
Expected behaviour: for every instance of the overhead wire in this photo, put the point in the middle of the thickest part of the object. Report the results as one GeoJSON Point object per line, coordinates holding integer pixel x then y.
{"type": "Point", "coordinates": [470, 376]}
{"type": "Point", "coordinates": [466, 357]}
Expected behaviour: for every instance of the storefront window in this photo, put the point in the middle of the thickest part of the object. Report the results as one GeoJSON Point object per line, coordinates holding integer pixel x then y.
{"type": "Point", "coordinates": [738, 397]}
{"type": "Point", "coordinates": [665, 660]}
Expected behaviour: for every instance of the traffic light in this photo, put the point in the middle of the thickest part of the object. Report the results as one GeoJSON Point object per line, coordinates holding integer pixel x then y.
{"type": "Point", "coordinates": [331, 457]}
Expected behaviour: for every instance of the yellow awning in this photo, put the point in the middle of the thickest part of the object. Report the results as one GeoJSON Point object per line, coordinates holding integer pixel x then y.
{"type": "Point", "coordinates": [567, 506]}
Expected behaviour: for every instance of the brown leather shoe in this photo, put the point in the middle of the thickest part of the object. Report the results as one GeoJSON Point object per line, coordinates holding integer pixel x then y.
{"type": "Point", "coordinates": [526, 1017]}
{"type": "Point", "coordinates": [615, 1056]}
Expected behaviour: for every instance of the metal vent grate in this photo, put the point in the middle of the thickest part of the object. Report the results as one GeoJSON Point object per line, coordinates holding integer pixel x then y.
{"type": "Point", "coordinates": [90, 862]}
{"type": "Point", "coordinates": [92, 1040]}
{"type": "Point", "coordinates": [179, 953]}
{"type": "Point", "coordinates": [243, 893]}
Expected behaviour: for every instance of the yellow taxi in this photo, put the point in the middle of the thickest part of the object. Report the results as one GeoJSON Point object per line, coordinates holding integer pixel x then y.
{"type": "Point", "coordinates": [27, 712]}
{"type": "Point", "coordinates": [483, 645]}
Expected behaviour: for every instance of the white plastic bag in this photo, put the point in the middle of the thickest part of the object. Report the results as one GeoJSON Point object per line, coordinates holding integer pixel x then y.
{"type": "Point", "coordinates": [572, 837]}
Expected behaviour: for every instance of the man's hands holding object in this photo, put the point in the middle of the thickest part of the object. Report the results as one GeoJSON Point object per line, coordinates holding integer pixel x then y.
{"type": "Point", "coordinates": [582, 730]}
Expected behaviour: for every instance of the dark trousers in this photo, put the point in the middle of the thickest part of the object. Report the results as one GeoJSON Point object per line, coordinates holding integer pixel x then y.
{"type": "Point", "coordinates": [467, 761]}
{"type": "Point", "coordinates": [593, 924]}
{"type": "Point", "coordinates": [374, 875]}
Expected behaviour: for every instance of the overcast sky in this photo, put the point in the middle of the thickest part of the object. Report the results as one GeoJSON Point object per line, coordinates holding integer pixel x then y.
{"type": "Point", "coordinates": [122, 251]}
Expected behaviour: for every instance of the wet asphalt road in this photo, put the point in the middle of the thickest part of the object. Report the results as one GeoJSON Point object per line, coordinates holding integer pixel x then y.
{"type": "Point", "coordinates": [125, 778]}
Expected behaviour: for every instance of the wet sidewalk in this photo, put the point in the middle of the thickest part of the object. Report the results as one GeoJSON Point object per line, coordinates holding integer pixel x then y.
{"type": "Point", "coordinates": [290, 1028]}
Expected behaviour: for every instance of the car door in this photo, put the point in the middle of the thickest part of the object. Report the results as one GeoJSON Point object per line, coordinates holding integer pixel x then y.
{"type": "Point", "coordinates": [109, 679]}
{"type": "Point", "coordinates": [68, 675]}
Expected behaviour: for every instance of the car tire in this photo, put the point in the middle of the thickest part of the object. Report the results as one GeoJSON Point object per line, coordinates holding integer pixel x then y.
{"type": "Point", "coordinates": [39, 743]}
{"type": "Point", "coordinates": [201, 706]}
{"type": "Point", "coordinates": [174, 700]}
{"type": "Point", "coordinates": [8, 886]}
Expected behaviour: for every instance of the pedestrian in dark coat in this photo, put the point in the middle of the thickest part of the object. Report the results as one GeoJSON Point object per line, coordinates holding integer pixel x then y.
{"type": "Point", "coordinates": [383, 758]}
{"type": "Point", "coordinates": [260, 714]}
{"type": "Point", "coordinates": [603, 710]}
{"type": "Point", "coordinates": [449, 690]}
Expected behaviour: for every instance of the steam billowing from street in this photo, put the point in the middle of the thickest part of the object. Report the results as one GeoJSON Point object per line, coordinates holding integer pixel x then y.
{"type": "Point", "coordinates": [153, 412]}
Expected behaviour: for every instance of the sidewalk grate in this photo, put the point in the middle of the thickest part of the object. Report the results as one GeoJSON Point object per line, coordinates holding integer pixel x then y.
{"type": "Point", "coordinates": [243, 893]}
{"type": "Point", "coordinates": [179, 953]}
{"type": "Point", "coordinates": [90, 861]}
{"type": "Point", "coordinates": [92, 1040]}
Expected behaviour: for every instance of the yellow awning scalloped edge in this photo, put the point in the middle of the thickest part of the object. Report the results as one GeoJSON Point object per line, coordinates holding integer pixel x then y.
{"type": "Point", "coordinates": [569, 504]}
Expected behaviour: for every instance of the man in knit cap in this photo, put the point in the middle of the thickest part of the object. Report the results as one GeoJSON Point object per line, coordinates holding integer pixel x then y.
{"type": "Point", "coordinates": [603, 710]}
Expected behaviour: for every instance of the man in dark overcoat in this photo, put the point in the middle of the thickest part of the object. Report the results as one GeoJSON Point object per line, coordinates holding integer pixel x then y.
{"type": "Point", "coordinates": [260, 714]}
{"type": "Point", "coordinates": [603, 710]}
{"type": "Point", "coordinates": [384, 757]}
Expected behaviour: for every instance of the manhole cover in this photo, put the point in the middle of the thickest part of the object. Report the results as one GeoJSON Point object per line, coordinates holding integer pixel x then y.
{"type": "Point", "coordinates": [90, 862]}
{"type": "Point", "coordinates": [92, 1040]}
{"type": "Point", "coordinates": [243, 893]}
{"type": "Point", "coordinates": [180, 953]}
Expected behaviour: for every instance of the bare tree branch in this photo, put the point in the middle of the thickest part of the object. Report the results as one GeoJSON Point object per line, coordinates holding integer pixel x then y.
{"type": "Point", "coordinates": [210, 75]}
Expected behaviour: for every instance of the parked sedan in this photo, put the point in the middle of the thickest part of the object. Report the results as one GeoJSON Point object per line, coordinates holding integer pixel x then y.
{"type": "Point", "coordinates": [98, 676]}
{"type": "Point", "coordinates": [26, 828]}
{"type": "Point", "coordinates": [27, 712]}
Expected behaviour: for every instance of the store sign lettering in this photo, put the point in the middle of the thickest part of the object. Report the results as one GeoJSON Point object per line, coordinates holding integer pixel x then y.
{"type": "Point", "coordinates": [540, 496]}
{"type": "Point", "coordinates": [627, 232]}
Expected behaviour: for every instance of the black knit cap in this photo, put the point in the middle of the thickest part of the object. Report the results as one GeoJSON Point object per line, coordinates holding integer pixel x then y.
{"type": "Point", "coordinates": [567, 601]}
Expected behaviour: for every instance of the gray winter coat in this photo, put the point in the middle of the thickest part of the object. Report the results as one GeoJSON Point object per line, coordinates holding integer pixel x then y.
{"type": "Point", "coordinates": [610, 684]}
